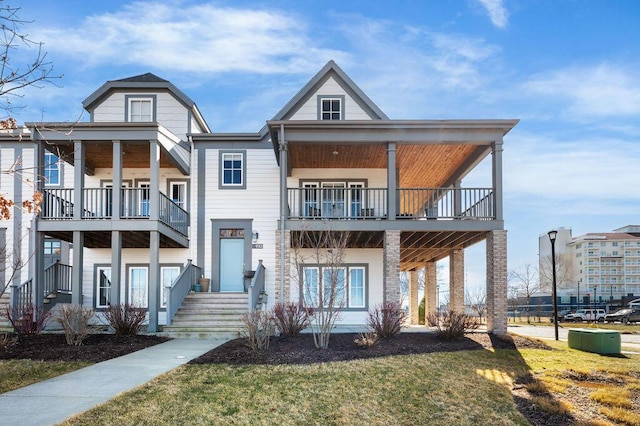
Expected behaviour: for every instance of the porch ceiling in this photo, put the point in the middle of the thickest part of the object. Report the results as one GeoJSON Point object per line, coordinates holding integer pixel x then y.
{"type": "Point", "coordinates": [416, 247]}
{"type": "Point", "coordinates": [419, 166]}
{"type": "Point", "coordinates": [135, 155]}
{"type": "Point", "coordinates": [99, 239]}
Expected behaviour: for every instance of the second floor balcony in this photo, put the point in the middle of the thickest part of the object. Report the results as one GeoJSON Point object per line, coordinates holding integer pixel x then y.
{"type": "Point", "coordinates": [135, 204]}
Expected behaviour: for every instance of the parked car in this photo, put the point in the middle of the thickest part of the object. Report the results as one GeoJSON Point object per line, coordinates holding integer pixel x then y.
{"type": "Point", "coordinates": [586, 315]}
{"type": "Point", "coordinates": [625, 315]}
{"type": "Point", "coordinates": [561, 314]}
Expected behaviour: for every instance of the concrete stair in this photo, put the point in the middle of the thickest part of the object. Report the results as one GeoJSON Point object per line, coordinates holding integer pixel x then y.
{"type": "Point", "coordinates": [5, 325]}
{"type": "Point", "coordinates": [209, 316]}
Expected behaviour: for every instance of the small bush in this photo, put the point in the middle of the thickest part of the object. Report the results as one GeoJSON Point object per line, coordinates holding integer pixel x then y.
{"type": "Point", "coordinates": [30, 321]}
{"type": "Point", "coordinates": [291, 318]}
{"type": "Point", "coordinates": [386, 319]}
{"type": "Point", "coordinates": [74, 319]}
{"type": "Point", "coordinates": [7, 340]}
{"type": "Point", "coordinates": [126, 320]}
{"type": "Point", "coordinates": [452, 325]}
{"type": "Point", "coordinates": [258, 329]}
{"type": "Point", "coordinates": [366, 340]}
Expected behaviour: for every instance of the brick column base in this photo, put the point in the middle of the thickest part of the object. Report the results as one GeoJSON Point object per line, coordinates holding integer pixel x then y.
{"type": "Point", "coordinates": [497, 282]}
{"type": "Point", "coordinates": [456, 280]}
{"type": "Point", "coordinates": [430, 290]}
{"type": "Point", "coordinates": [414, 303]}
{"type": "Point", "coordinates": [278, 295]}
{"type": "Point", "coordinates": [392, 266]}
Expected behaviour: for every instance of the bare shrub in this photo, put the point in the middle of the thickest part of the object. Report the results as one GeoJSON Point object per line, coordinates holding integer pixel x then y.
{"type": "Point", "coordinates": [366, 340]}
{"type": "Point", "coordinates": [386, 319]}
{"type": "Point", "coordinates": [258, 329]}
{"type": "Point", "coordinates": [452, 325]}
{"type": "Point", "coordinates": [7, 340]}
{"type": "Point", "coordinates": [291, 318]}
{"type": "Point", "coordinates": [126, 320]}
{"type": "Point", "coordinates": [29, 321]}
{"type": "Point", "coordinates": [74, 319]}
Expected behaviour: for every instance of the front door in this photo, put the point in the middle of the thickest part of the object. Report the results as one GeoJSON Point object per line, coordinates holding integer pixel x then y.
{"type": "Point", "coordinates": [231, 264]}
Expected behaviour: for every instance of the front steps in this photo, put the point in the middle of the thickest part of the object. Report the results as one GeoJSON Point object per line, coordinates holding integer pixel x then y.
{"type": "Point", "coordinates": [209, 316]}
{"type": "Point", "coordinates": [5, 325]}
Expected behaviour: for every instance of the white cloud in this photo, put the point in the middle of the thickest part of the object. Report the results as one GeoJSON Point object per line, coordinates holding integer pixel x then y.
{"type": "Point", "coordinates": [497, 12]}
{"type": "Point", "coordinates": [603, 90]}
{"type": "Point", "coordinates": [196, 38]}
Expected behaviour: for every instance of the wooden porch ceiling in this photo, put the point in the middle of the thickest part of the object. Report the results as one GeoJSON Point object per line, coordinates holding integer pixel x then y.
{"type": "Point", "coordinates": [419, 166]}
{"type": "Point", "coordinates": [100, 154]}
{"type": "Point", "coordinates": [417, 247]}
{"type": "Point", "coordinates": [135, 239]}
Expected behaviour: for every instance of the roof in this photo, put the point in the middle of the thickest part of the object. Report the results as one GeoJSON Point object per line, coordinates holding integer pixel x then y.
{"type": "Point", "coordinates": [331, 69]}
{"type": "Point", "coordinates": [595, 236]}
{"type": "Point", "coordinates": [144, 81]}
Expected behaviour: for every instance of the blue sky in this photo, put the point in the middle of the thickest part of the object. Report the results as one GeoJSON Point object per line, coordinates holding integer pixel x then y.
{"type": "Point", "coordinates": [567, 69]}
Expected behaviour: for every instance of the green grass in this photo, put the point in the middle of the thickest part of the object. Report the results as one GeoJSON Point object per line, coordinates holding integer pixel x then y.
{"type": "Point", "coordinates": [15, 374]}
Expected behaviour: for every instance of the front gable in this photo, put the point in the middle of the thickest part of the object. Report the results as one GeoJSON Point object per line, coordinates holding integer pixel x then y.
{"type": "Point", "coordinates": [330, 94]}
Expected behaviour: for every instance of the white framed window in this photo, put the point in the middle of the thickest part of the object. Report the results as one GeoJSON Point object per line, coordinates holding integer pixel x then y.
{"type": "Point", "coordinates": [51, 170]}
{"type": "Point", "coordinates": [232, 170]}
{"type": "Point", "coordinates": [103, 286]}
{"type": "Point", "coordinates": [331, 108]}
{"type": "Point", "coordinates": [168, 275]}
{"type": "Point", "coordinates": [138, 286]}
{"type": "Point", "coordinates": [350, 286]}
{"type": "Point", "coordinates": [178, 193]}
{"type": "Point", "coordinates": [140, 109]}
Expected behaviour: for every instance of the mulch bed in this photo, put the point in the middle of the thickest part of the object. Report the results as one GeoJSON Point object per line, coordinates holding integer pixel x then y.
{"type": "Point", "coordinates": [301, 350]}
{"type": "Point", "coordinates": [96, 348]}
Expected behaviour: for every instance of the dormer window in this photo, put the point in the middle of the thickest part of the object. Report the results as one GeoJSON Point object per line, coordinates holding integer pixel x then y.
{"type": "Point", "coordinates": [140, 109]}
{"type": "Point", "coordinates": [331, 107]}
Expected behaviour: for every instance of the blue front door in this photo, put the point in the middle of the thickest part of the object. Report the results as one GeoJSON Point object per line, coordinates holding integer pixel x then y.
{"type": "Point", "coordinates": [231, 264]}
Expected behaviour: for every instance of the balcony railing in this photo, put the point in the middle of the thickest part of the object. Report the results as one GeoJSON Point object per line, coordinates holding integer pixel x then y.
{"type": "Point", "coordinates": [371, 203]}
{"type": "Point", "coordinates": [98, 204]}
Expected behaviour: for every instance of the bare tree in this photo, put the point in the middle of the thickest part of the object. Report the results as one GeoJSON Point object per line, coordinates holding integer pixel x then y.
{"type": "Point", "coordinates": [564, 272]}
{"type": "Point", "coordinates": [513, 299]}
{"type": "Point", "coordinates": [477, 301]}
{"type": "Point", "coordinates": [319, 257]}
{"type": "Point", "coordinates": [526, 280]}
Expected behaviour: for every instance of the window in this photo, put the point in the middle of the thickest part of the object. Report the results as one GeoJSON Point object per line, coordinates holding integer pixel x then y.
{"type": "Point", "coordinates": [52, 247]}
{"type": "Point", "coordinates": [232, 170]}
{"type": "Point", "coordinates": [51, 170]}
{"type": "Point", "coordinates": [140, 109]}
{"type": "Point", "coordinates": [168, 275]}
{"type": "Point", "coordinates": [330, 107]}
{"type": "Point", "coordinates": [138, 286]}
{"type": "Point", "coordinates": [178, 193]}
{"type": "Point", "coordinates": [103, 286]}
{"type": "Point", "coordinates": [350, 285]}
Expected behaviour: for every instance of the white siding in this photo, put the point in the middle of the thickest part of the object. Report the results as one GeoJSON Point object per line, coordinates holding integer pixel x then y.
{"type": "Point", "coordinates": [259, 201]}
{"type": "Point", "coordinates": [169, 111]}
{"type": "Point", "coordinates": [309, 110]}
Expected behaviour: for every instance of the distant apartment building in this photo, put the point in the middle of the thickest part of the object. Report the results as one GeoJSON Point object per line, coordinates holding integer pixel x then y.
{"type": "Point", "coordinates": [600, 265]}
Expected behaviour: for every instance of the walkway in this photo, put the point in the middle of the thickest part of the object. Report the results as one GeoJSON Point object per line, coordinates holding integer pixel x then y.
{"type": "Point", "coordinates": [57, 399]}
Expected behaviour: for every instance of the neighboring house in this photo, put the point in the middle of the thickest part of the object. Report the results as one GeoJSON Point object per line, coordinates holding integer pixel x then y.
{"type": "Point", "coordinates": [196, 203]}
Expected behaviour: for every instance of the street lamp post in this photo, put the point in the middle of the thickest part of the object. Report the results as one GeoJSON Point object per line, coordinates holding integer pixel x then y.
{"type": "Point", "coordinates": [580, 279]}
{"type": "Point", "coordinates": [595, 295]}
{"type": "Point", "coordinates": [552, 237]}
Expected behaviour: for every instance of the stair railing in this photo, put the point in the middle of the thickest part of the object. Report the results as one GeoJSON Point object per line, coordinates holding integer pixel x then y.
{"type": "Point", "coordinates": [21, 297]}
{"type": "Point", "coordinates": [256, 287]}
{"type": "Point", "coordinates": [178, 290]}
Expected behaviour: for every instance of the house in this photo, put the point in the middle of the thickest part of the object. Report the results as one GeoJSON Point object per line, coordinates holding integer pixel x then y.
{"type": "Point", "coordinates": [194, 203]}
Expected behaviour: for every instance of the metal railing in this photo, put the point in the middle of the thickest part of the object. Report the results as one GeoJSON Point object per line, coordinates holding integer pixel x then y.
{"type": "Point", "coordinates": [178, 290]}
{"type": "Point", "coordinates": [57, 279]}
{"type": "Point", "coordinates": [98, 204]}
{"type": "Point", "coordinates": [255, 289]}
{"type": "Point", "coordinates": [446, 203]}
{"type": "Point", "coordinates": [337, 203]}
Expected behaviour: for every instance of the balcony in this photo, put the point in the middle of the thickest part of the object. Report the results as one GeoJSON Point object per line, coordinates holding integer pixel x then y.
{"type": "Point", "coordinates": [372, 203]}
{"type": "Point", "coordinates": [98, 205]}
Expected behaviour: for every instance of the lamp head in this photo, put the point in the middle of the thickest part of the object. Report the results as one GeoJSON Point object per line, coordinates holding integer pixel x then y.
{"type": "Point", "coordinates": [552, 235]}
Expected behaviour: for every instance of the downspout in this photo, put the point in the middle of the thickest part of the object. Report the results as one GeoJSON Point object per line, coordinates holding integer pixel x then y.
{"type": "Point", "coordinates": [282, 145]}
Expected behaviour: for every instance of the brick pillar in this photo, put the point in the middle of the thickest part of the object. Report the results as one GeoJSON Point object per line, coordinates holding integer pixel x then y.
{"type": "Point", "coordinates": [430, 289]}
{"type": "Point", "coordinates": [456, 280]}
{"type": "Point", "coordinates": [414, 302]}
{"type": "Point", "coordinates": [392, 266]}
{"type": "Point", "coordinates": [287, 268]}
{"type": "Point", "coordinates": [497, 282]}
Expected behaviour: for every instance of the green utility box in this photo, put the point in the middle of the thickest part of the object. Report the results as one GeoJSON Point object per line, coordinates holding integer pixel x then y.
{"type": "Point", "coordinates": [595, 340]}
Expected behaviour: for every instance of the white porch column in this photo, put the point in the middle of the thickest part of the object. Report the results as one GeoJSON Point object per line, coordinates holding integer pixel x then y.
{"type": "Point", "coordinates": [414, 302]}
{"type": "Point", "coordinates": [497, 282]}
{"type": "Point", "coordinates": [154, 281]}
{"type": "Point", "coordinates": [78, 209]}
{"type": "Point", "coordinates": [497, 178]}
{"type": "Point", "coordinates": [456, 280]}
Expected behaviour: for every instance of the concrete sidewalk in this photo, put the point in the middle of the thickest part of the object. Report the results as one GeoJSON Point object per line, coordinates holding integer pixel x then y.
{"type": "Point", "coordinates": [57, 399]}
